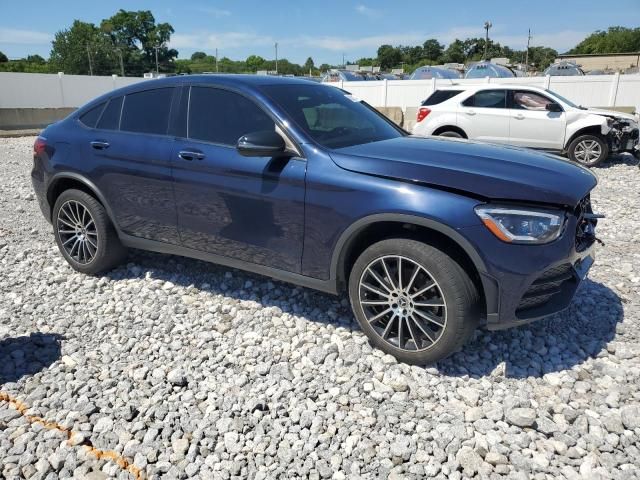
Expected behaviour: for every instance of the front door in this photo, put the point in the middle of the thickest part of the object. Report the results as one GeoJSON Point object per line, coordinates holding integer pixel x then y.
{"type": "Point", "coordinates": [532, 125]}
{"type": "Point", "coordinates": [249, 209]}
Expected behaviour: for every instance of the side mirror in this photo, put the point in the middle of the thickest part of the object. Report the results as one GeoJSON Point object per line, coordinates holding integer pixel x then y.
{"type": "Point", "coordinates": [266, 143]}
{"type": "Point", "coordinates": [553, 107]}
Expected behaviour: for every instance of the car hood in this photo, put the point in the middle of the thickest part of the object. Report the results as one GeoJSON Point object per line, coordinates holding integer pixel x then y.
{"type": "Point", "coordinates": [612, 113]}
{"type": "Point", "coordinates": [488, 171]}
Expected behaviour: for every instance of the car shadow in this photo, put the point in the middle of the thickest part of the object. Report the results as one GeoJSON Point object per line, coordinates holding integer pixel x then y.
{"type": "Point", "coordinates": [558, 343]}
{"type": "Point", "coordinates": [619, 159]}
{"type": "Point", "coordinates": [27, 355]}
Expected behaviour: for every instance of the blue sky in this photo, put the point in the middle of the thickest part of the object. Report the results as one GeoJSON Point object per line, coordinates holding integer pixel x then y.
{"type": "Point", "coordinates": [322, 29]}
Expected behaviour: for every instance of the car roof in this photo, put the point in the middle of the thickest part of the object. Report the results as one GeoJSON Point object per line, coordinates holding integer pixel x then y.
{"type": "Point", "coordinates": [490, 86]}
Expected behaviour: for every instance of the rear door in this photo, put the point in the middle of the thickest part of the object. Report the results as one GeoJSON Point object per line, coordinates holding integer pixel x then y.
{"type": "Point", "coordinates": [249, 209]}
{"type": "Point", "coordinates": [484, 116]}
{"type": "Point", "coordinates": [531, 124]}
{"type": "Point", "coordinates": [131, 154]}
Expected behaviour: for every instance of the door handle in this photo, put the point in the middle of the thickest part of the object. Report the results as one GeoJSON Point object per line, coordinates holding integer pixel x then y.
{"type": "Point", "coordinates": [190, 155]}
{"type": "Point", "coordinates": [519, 117]}
{"type": "Point", "coordinates": [471, 112]}
{"type": "Point", "coordinates": [99, 144]}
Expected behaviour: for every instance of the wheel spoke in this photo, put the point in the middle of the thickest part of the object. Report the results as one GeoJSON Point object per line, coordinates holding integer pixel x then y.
{"type": "Point", "coordinates": [399, 273]}
{"type": "Point", "coordinates": [424, 332]}
{"type": "Point", "coordinates": [374, 290]}
{"type": "Point", "coordinates": [374, 302]}
{"type": "Point", "coordinates": [425, 289]}
{"type": "Point", "coordinates": [428, 316]}
{"type": "Point", "coordinates": [416, 271]}
{"type": "Point", "coordinates": [387, 330]}
{"type": "Point", "coordinates": [413, 336]}
{"type": "Point", "coordinates": [378, 279]}
{"type": "Point", "coordinates": [379, 315]}
{"type": "Point", "coordinates": [386, 271]}
{"type": "Point", "coordinates": [401, 341]}
{"type": "Point", "coordinates": [428, 304]}
{"type": "Point", "coordinates": [68, 240]}
{"type": "Point", "coordinates": [66, 223]}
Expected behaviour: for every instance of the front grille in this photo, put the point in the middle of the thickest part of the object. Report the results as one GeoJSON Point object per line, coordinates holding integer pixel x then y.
{"type": "Point", "coordinates": [585, 229]}
{"type": "Point", "coordinates": [545, 287]}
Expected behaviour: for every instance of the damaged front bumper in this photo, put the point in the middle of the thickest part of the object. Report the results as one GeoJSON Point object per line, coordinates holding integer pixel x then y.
{"type": "Point", "coordinates": [623, 136]}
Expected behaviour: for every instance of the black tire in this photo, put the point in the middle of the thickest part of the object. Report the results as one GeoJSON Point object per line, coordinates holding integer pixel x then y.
{"type": "Point", "coordinates": [450, 134]}
{"type": "Point", "coordinates": [458, 293]}
{"type": "Point", "coordinates": [578, 153]}
{"type": "Point", "coordinates": [108, 252]}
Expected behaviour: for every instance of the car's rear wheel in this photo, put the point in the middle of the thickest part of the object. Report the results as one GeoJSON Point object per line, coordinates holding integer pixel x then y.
{"type": "Point", "coordinates": [412, 300]}
{"type": "Point", "coordinates": [588, 150]}
{"type": "Point", "coordinates": [84, 234]}
{"type": "Point", "coordinates": [450, 133]}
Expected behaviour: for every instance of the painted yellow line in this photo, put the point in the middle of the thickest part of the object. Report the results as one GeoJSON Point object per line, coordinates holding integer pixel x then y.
{"type": "Point", "coordinates": [108, 455]}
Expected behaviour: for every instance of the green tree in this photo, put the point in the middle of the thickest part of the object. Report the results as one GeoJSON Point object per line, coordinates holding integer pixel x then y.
{"type": "Point", "coordinates": [3, 58]}
{"type": "Point", "coordinates": [389, 57]}
{"type": "Point", "coordinates": [140, 39]}
{"type": "Point", "coordinates": [36, 59]}
{"type": "Point", "coordinates": [455, 52]}
{"type": "Point", "coordinates": [433, 50]}
{"type": "Point", "coordinates": [255, 63]}
{"type": "Point", "coordinates": [197, 56]}
{"type": "Point", "coordinates": [309, 65]}
{"type": "Point", "coordinates": [614, 40]}
{"type": "Point", "coordinates": [324, 67]}
{"type": "Point", "coordinates": [81, 49]}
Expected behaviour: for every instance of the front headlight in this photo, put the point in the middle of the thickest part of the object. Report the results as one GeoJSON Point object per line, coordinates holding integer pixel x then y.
{"type": "Point", "coordinates": [515, 225]}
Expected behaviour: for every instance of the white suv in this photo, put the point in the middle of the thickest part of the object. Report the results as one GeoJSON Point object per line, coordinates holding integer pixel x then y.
{"type": "Point", "coordinates": [528, 117]}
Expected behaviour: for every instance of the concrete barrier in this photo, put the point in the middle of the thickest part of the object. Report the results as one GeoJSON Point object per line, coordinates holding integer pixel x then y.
{"type": "Point", "coordinates": [22, 118]}
{"type": "Point", "coordinates": [392, 113]}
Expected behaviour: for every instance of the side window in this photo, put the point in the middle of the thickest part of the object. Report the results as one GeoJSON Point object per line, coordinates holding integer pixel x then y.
{"type": "Point", "coordinates": [487, 99]}
{"type": "Point", "coordinates": [147, 112]}
{"type": "Point", "coordinates": [440, 96]}
{"type": "Point", "coordinates": [526, 100]}
{"type": "Point", "coordinates": [221, 116]}
{"type": "Point", "coordinates": [90, 117]}
{"type": "Point", "coordinates": [110, 119]}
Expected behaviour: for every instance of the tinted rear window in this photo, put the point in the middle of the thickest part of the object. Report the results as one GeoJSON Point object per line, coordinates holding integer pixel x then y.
{"type": "Point", "coordinates": [90, 117]}
{"type": "Point", "coordinates": [110, 119]}
{"type": "Point", "coordinates": [487, 99]}
{"type": "Point", "coordinates": [147, 112]}
{"type": "Point", "coordinates": [440, 96]}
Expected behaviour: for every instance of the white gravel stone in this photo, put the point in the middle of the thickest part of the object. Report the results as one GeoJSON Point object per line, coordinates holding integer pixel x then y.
{"type": "Point", "coordinates": [192, 370]}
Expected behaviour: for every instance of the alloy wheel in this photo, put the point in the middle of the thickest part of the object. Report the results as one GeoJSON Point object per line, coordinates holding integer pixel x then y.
{"type": "Point", "coordinates": [77, 231]}
{"type": "Point", "coordinates": [588, 151]}
{"type": "Point", "coordinates": [403, 303]}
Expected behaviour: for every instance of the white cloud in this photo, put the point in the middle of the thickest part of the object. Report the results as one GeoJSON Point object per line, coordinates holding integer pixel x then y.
{"type": "Point", "coordinates": [348, 43]}
{"type": "Point", "coordinates": [367, 12]}
{"type": "Point", "coordinates": [224, 40]}
{"type": "Point", "coordinates": [213, 11]}
{"type": "Point", "coordinates": [24, 37]}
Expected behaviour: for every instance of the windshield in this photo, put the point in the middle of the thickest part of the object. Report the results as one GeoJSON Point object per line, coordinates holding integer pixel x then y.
{"type": "Point", "coordinates": [562, 99]}
{"type": "Point", "coordinates": [331, 116]}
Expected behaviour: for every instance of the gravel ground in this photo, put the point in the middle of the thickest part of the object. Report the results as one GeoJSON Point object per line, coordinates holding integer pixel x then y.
{"type": "Point", "coordinates": [189, 370]}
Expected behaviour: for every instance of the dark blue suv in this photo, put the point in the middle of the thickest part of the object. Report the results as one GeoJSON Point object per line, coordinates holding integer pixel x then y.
{"type": "Point", "coordinates": [305, 183]}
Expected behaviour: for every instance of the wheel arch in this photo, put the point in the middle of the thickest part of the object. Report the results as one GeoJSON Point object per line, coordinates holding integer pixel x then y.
{"type": "Point", "coordinates": [374, 228]}
{"type": "Point", "coordinates": [68, 180]}
{"type": "Point", "coordinates": [595, 130]}
{"type": "Point", "coordinates": [452, 128]}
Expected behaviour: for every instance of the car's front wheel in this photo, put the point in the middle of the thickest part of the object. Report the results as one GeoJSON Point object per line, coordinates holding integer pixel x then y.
{"type": "Point", "coordinates": [412, 300]}
{"type": "Point", "coordinates": [588, 150]}
{"type": "Point", "coordinates": [84, 234]}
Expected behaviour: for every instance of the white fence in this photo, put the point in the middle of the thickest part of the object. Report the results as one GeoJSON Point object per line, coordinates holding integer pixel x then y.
{"type": "Point", "coordinates": [42, 90]}
{"type": "Point", "coordinates": [589, 90]}
{"type": "Point", "coordinates": [36, 90]}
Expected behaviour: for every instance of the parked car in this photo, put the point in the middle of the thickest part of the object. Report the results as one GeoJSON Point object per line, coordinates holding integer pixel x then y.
{"type": "Point", "coordinates": [302, 182]}
{"type": "Point", "coordinates": [488, 69]}
{"type": "Point", "coordinates": [563, 69]}
{"type": "Point", "coordinates": [428, 72]}
{"type": "Point", "coordinates": [527, 116]}
{"type": "Point", "coordinates": [333, 76]}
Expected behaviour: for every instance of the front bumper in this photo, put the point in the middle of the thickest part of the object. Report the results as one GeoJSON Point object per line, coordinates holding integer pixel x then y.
{"type": "Point", "coordinates": [523, 283]}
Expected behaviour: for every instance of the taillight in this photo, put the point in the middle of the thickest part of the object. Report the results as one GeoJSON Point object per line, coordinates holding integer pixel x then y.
{"type": "Point", "coordinates": [422, 113]}
{"type": "Point", "coordinates": [39, 146]}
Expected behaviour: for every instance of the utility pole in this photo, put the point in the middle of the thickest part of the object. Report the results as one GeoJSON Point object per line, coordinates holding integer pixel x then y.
{"type": "Point", "coordinates": [344, 65]}
{"type": "Point", "coordinates": [526, 59]}
{"type": "Point", "coordinates": [487, 26]}
{"type": "Point", "coordinates": [216, 60]}
{"type": "Point", "coordinates": [276, 58]}
{"type": "Point", "coordinates": [121, 62]}
{"type": "Point", "coordinates": [156, 49]}
{"type": "Point", "coordinates": [89, 57]}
